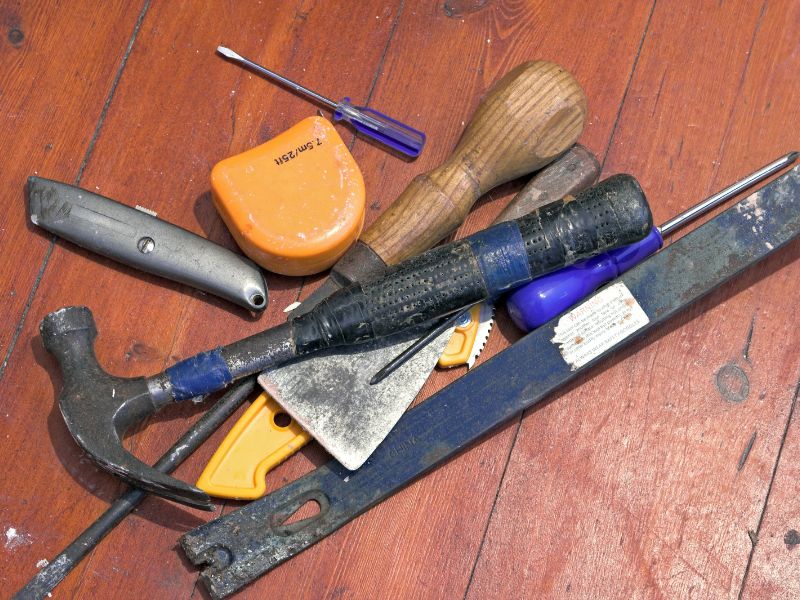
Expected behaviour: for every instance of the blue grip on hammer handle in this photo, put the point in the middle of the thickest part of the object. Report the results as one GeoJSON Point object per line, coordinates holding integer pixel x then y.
{"type": "Point", "coordinates": [201, 374]}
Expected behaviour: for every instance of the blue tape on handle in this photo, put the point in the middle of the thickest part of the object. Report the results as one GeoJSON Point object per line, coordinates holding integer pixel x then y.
{"type": "Point", "coordinates": [201, 374]}
{"type": "Point", "coordinates": [501, 256]}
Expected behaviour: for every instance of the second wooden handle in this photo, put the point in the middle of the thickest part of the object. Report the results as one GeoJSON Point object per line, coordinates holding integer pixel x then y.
{"type": "Point", "coordinates": [532, 115]}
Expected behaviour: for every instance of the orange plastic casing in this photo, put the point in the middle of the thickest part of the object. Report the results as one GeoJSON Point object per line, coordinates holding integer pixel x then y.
{"type": "Point", "coordinates": [295, 203]}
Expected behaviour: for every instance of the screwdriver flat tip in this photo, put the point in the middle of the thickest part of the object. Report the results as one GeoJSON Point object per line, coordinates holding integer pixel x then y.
{"type": "Point", "coordinates": [793, 156]}
{"type": "Point", "coordinates": [227, 52]}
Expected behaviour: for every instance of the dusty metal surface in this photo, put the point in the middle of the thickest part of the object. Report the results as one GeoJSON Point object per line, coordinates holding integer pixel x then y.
{"type": "Point", "coordinates": [333, 397]}
{"type": "Point", "coordinates": [244, 544]}
{"type": "Point", "coordinates": [98, 408]}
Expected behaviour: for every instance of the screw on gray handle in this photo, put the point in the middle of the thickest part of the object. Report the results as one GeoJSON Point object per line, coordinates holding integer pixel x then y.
{"type": "Point", "coordinates": [484, 265]}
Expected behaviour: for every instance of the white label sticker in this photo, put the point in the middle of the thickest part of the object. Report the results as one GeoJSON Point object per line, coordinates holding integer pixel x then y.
{"type": "Point", "coordinates": [607, 318]}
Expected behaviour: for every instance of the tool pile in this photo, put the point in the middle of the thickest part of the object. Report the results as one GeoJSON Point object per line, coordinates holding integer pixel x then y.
{"type": "Point", "coordinates": [295, 205]}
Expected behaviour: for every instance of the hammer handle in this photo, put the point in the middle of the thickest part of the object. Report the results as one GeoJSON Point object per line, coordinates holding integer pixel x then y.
{"type": "Point", "coordinates": [531, 115]}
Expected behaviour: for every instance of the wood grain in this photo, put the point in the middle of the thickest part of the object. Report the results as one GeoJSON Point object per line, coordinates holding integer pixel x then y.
{"type": "Point", "coordinates": [625, 486]}
{"type": "Point", "coordinates": [58, 66]}
{"type": "Point", "coordinates": [631, 480]}
{"type": "Point", "coordinates": [177, 110]}
{"type": "Point", "coordinates": [534, 113]}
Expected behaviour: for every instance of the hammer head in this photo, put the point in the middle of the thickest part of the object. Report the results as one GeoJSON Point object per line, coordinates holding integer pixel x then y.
{"type": "Point", "coordinates": [98, 408]}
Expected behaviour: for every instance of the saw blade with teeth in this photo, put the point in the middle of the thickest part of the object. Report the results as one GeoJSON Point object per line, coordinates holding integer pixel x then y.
{"type": "Point", "coordinates": [485, 323]}
{"type": "Point", "coordinates": [469, 337]}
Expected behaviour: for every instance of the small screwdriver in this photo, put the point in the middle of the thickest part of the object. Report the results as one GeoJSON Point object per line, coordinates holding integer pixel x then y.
{"type": "Point", "coordinates": [546, 297]}
{"type": "Point", "coordinates": [370, 122]}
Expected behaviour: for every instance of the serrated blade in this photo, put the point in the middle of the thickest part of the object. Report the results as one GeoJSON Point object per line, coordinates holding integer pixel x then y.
{"type": "Point", "coordinates": [485, 324]}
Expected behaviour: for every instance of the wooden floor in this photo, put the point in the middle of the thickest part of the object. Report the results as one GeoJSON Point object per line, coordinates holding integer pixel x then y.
{"type": "Point", "coordinates": [632, 484]}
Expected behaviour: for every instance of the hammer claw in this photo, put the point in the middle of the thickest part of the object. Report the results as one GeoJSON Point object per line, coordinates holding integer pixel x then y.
{"type": "Point", "coordinates": [99, 408]}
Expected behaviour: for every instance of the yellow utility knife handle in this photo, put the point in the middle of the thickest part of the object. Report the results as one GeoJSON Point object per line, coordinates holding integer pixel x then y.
{"type": "Point", "coordinates": [263, 438]}
{"type": "Point", "coordinates": [462, 341]}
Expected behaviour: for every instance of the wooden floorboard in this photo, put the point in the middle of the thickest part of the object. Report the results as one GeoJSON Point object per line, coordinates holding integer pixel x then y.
{"type": "Point", "coordinates": [633, 477]}
{"type": "Point", "coordinates": [56, 62]}
{"type": "Point", "coordinates": [625, 486]}
{"type": "Point", "coordinates": [178, 109]}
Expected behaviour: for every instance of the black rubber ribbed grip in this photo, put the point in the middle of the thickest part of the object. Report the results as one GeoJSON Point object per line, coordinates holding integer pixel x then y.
{"type": "Point", "coordinates": [611, 214]}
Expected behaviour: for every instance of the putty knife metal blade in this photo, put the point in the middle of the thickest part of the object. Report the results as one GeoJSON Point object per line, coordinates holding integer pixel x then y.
{"type": "Point", "coordinates": [361, 416]}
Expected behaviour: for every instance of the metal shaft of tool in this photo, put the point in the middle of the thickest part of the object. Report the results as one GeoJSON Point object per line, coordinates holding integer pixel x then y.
{"type": "Point", "coordinates": [729, 192]}
{"type": "Point", "coordinates": [227, 52]}
{"type": "Point", "coordinates": [678, 221]}
{"type": "Point", "coordinates": [402, 358]}
{"type": "Point", "coordinates": [55, 571]}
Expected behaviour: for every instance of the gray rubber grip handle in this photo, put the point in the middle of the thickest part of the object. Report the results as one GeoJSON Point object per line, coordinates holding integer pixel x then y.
{"type": "Point", "coordinates": [451, 277]}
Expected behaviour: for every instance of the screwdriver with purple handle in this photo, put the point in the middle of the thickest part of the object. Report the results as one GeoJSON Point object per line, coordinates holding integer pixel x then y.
{"type": "Point", "coordinates": [366, 120]}
{"type": "Point", "coordinates": [546, 297]}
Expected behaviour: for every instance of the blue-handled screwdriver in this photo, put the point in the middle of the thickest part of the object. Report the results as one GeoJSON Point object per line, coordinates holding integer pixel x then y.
{"type": "Point", "coordinates": [367, 121]}
{"type": "Point", "coordinates": [546, 297]}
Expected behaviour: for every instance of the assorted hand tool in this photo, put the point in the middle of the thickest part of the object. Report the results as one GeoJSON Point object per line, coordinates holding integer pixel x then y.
{"type": "Point", "coordinates": [528, 119]}
{"type": "Point", "coordinates": [296, 206]}
{"type": "Point", "coordinates": [547, 123]}
{"type": "Point", "coordinates": [98, 408]}
{"type": "Point", "coordinates": [265, 435]}
{"type": "Point", "coordinates": [367, 121]}
{"type": "Point", "coordinates": [248, 542]}
{"type": "Point", "coordinates": [137, 238]}
{"type": "Point", "coordinates": [550, 295]}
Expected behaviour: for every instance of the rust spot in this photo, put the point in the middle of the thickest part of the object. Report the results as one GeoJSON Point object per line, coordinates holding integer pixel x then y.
{"type": "Point", "coordinates": [459, 8]}
{"type": "Point", "coordinates": [578, 339]}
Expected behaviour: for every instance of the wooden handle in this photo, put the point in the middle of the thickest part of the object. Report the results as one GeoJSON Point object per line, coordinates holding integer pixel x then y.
{"type": "Point", "coordinates": [573, 172]}
{"type": "Point", "coordinates": [532, 115]}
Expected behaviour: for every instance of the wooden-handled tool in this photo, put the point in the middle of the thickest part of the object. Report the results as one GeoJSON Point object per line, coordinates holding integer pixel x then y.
{"type": "Point", "coordinates": [530, 116]}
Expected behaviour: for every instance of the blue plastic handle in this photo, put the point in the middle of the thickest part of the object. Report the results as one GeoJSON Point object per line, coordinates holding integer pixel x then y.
{"type": "Point", "coordinates": [380, 127]}
{"type": "Point", "coordinates": [542, 299]}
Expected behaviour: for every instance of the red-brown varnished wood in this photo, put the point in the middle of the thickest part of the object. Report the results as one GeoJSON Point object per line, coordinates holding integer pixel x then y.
{"type": "Point", "coordinates": [624, 486]}
{"type": "Point", "coordinates": [628, 486]}
{"type": "Point", "coordinates": [57, 68]}
{"type": "Point", "coordinates": [177, 110]}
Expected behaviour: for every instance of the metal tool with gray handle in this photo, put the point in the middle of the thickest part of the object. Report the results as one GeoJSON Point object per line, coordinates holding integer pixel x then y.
{"type": "Point", "coordinates": [98, 408]}
{"type": "Point", "coordinates": [137, 238]}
